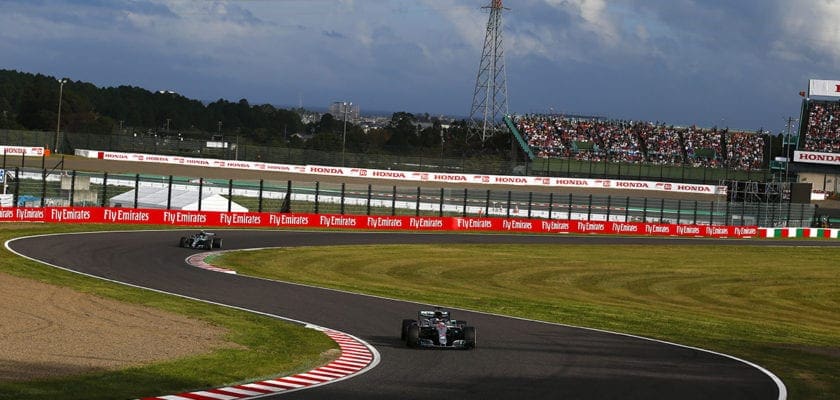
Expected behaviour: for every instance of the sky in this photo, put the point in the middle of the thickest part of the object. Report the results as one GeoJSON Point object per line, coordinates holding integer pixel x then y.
{"type": "Point", "coordinates": [738, 64]}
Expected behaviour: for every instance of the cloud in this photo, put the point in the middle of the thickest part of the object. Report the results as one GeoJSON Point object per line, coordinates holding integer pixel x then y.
{"type": "Point", "coordinates": [810, 33]}
{"type": "Point", "coordinates": [332, 34]}
{"type": "Point", "coordinates": [644, 54]}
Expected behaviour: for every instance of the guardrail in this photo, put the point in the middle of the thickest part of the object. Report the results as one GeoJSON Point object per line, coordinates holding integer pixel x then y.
{"type": "Point", "coordinates": [335, 221]}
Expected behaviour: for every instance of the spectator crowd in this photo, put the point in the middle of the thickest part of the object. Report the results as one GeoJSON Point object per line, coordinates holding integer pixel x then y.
{"type": "Point", "coordinates": [823, 131]}
{"type": "Point", "coordinates": [637, 142]}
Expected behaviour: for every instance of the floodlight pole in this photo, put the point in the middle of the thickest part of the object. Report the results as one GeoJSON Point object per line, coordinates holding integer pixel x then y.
{"type": "Point", "coordinates": [344, 135]}
{"type": "Point", "coordinates": [58, 122]}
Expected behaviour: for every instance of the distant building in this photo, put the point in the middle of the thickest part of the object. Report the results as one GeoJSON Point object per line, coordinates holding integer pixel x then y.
{"type": "Point", "coordinates": [338, 108]}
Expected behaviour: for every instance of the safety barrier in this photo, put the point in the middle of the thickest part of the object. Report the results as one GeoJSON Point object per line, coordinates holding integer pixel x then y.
{"type": "Point", "coordinates": [94, 215]}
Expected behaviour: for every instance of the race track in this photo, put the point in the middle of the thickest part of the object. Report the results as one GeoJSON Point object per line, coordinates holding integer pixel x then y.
{"type": "Point", "coordinates": [514, 359]}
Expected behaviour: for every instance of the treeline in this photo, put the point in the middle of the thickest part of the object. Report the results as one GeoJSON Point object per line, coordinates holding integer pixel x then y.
{"type": "Point", "coordinates": [30, 102]}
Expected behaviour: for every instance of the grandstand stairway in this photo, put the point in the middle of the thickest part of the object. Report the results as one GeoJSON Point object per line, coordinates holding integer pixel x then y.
{"type": "Point", "coordinates": [522, 142]}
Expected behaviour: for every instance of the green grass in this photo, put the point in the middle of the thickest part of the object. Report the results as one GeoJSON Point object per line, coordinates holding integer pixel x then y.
{"type": "Point", "coordinates": [264, 347]}
{"type": "Point", "coordinates": [773, 306]}
{"type": "Point", "coordinates": [777, 307]}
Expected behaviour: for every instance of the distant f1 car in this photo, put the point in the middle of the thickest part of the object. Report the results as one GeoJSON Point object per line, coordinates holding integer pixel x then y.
{"type": "Point", "coordinates": [436, 329]}
{"type": "Point", "coordinates": [201, 240]}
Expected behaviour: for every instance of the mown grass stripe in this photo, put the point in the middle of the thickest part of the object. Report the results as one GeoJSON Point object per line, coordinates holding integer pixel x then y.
{"type": "Point", "coordinates": [753, 302]}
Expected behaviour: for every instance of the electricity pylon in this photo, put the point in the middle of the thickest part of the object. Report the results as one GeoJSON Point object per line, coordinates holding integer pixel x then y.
{"type": "Point", "coordinates": [489, 103]}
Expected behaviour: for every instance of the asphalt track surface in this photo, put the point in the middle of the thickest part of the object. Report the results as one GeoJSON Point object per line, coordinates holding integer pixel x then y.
{"type": "Point", "coordinates": [514, 358]}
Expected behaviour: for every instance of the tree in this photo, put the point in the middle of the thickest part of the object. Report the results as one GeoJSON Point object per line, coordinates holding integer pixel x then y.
{"type": "Point", "coordinates": [403, 132]}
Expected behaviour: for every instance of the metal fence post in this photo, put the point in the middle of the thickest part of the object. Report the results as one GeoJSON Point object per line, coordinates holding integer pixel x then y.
{"type": "Point", "coordinates": [787, 218]}
{"type": "Point", "coordinates": [200, 191]}
{"type": "Point", "coordinates": [550, 204]}
{"type": "Point", "coordinates": [317, 193]}
{"type": "Point", "coordinates": [570, 207]}
{"type": "Point", "coordinates": [487, 203]}
{"type": "Point", "coordinates": [743, 213]}
{"type": "Point", "coordinates": [464, 210]}
{"type": "Point", "coordinates": [394, 200]}
{"type": "Point", "coordinates": [589, 209]}
{"type": "Point", "coordinates": [712, 213]}
{"type": "Point", "coordinates": [440, 207]}
{"type": "Point", "coordinates": [136, 189]}
{"type": "Point", "coordinates": [662, 211]}
{"type": "Point", "coordinates": [104, 189]}
{"type": "Point", "coordinates": [508, 203]}
{"type": "Point", "coordinates": [43, 186]}
{"type": "Point", "coordinates": [679, 210]}
{"type": "Point", "coordinates": [369, 195]}
{"type": "Point", "coordinates": [627, 209]}
{"type": "Point", "coordinates": [530, 203]}
{"type": "Point", "coordinates": [260, 200]}
{"type": "Point", "coordinates": [16, 196]}
{"type": "Point", "coordinates": [230, 194]}
{"type": "Point", "coordinates": [417, 203]}
{"type": "Point", "coordinates": [342, 198]}
{"type": "Point", "coordinates": [726, 220]}
{"type": "Point", "coordinates": [72, 187]}
{"type": "Point", "coordinates": [169, 194]}
{"type": "Point", "coordinates": [695, 213]}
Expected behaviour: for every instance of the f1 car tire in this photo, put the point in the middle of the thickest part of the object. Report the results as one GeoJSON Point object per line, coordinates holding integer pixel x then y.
{"type": "Point", "coordinates": [183, 242]}
{"type": "Point", "coordinates": [469, 336]}
{"type": "Point", "coordinates": [405, 324]}
{"type": "Point", "coordinates": [217, 243]}
{"type": "Point", "coordinates": [412, 336]}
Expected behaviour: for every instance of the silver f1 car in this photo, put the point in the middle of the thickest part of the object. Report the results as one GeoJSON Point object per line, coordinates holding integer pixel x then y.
{"type": "Point", "coordinates": [201, 240]}
{"type": "Point", "coordinates": [436, 329]}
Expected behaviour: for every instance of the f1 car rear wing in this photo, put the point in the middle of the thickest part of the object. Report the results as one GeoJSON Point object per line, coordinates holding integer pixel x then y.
{"type": "Point", "coordinates": [431, 314]}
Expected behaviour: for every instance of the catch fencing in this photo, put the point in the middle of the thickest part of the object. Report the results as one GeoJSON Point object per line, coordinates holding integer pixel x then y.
{"type": "Point", "coordinates": [33, 187]}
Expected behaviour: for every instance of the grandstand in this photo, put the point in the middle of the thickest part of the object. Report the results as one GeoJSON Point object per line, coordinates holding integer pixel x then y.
{"type": "Point", "coordinates": [816, 144]}
{"type": "Point", "coordinates": [813, 150]}
{"type": "Point", "coordinates": [553, 136]}
{"type": "Point", "coordinates": [808, 162]}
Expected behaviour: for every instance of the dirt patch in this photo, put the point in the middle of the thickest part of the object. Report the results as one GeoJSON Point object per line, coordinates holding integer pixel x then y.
{"type": "Point", "coordinates": [51, 331]}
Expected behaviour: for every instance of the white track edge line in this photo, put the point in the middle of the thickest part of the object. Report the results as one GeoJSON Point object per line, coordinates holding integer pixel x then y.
{"type": "Point", "coordinates": [375, 353]}
{"type": "Point", "coordinates": [779, 384]}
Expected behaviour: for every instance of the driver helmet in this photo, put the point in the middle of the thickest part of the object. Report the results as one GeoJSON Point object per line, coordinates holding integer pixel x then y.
{"type": "Point", "coordinates": [438, 314]}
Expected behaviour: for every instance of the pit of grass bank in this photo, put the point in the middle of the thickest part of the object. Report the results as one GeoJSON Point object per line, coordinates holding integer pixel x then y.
{"type": "Point", "coordinates": [777, 306]}
{"type": "Point", "coordinates": [261, 347]}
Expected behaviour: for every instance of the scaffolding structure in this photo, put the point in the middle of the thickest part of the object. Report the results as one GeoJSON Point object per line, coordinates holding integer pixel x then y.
{"type": "Point", "coordinates": [754, 192]}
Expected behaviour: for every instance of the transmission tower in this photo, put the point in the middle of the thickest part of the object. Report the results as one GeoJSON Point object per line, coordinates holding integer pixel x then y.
{"type": "Point", "coordinates": [489, 103]}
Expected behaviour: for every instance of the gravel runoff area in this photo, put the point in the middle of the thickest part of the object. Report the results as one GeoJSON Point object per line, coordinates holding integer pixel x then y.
{"type": "Point", "coordinates": [51, 331]}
